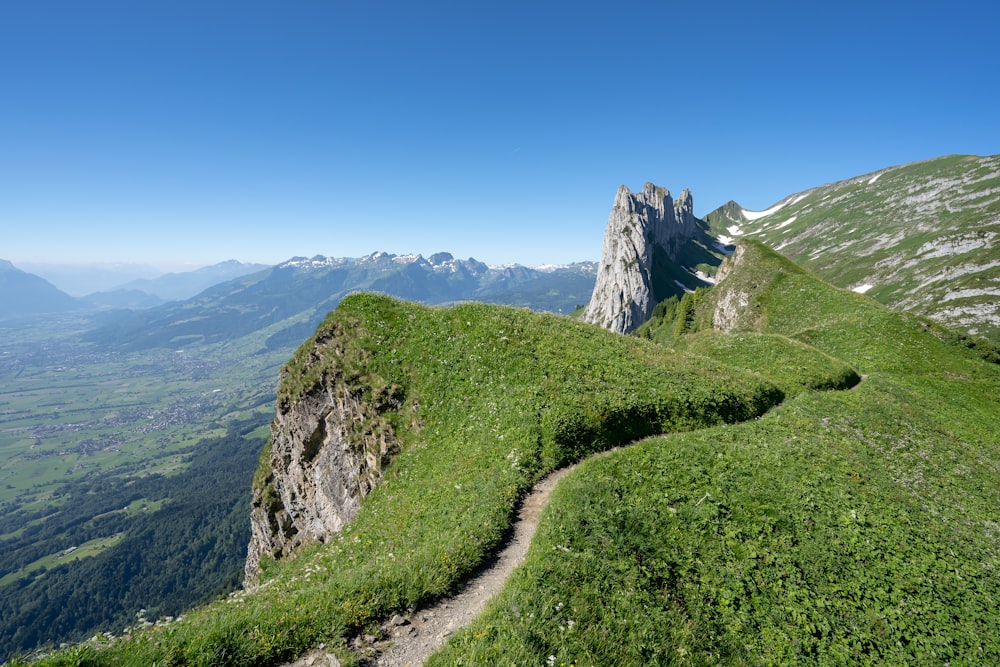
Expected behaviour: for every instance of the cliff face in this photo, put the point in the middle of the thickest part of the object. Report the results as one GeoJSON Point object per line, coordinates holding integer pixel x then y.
{"type": "Point", "coordinates": [732, 301]}
{"type": "Point", "coordinates": [328, 448]}
{"type": "Point", "coordinates": [645, 230]}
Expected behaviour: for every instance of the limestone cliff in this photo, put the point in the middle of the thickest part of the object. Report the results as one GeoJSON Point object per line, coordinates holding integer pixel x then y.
{"type": "Point", "coordinates": [731, 300]}
{"type": "Point", "coordinates": [646, 237]}
{"type": "Point", "coordinates": [330, 441]}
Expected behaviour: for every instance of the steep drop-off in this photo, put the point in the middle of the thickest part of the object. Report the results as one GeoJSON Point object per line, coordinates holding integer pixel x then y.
{"type": "Point", "coordinates": [327, 449]}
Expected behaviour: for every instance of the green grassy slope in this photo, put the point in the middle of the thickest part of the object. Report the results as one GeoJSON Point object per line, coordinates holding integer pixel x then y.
{"type": "Point", "coordinates": [851, 527]}
{"type": "Point", "coordinates": [845, 527]}
{"type": "Point", "coordinates": [922, 237]}
{"type": "Point", "coordinates": [493, 399]}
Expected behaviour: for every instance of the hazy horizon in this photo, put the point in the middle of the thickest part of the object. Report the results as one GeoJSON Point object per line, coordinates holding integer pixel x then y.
{"type": "Point", "coordinates": [84, 278]}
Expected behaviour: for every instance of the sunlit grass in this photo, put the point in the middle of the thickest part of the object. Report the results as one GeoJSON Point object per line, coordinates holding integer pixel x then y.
{"type": "Point", "coordinates": [494, 399]}
{"type": "Point", "coordinates": [846, 525]}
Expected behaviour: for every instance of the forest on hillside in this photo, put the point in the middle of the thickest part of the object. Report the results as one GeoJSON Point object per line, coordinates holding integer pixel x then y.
{"type": "Point", "coordinates": [187, 547]}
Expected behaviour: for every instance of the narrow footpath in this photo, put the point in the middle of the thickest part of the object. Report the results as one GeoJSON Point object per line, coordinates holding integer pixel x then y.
{"type": "Point", "coordinates": [413, 637]}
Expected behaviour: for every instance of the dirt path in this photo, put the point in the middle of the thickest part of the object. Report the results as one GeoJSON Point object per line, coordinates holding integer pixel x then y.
{"type": "Point", "coordinates": [413, 637]}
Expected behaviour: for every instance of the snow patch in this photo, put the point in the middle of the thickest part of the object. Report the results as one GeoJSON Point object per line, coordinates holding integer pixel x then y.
{"type": "Point", "coordinates": [724, 244]}
{"type": "Point", "coordinates": [582, 267]}
{"type": "Point", "coordinates": [704, 277]}
{"type": "Point", "coordinates": [861, 289]}
{"type": "Point", "coordinates": [734, 230]}
{"type": "Point", "coordinates": [786, 222]}
{"type": "Point", "coordinates": [875, 177]}
{"type": "Point", "coordinates": [682, 286]}
{"type": "Point", "coordinates": [317, 262]}
{"type": "Point", "coordinates": [757, 215]}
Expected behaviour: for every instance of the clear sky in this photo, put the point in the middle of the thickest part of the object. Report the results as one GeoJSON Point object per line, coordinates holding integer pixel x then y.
{"type": "Point", "coordinates": [190, 132]}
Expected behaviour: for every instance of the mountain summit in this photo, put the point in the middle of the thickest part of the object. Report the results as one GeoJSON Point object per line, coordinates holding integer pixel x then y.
{"type": "Point", "coordinates": [651, 247]}
{"type": "Point", "coordinates": [24, 293]}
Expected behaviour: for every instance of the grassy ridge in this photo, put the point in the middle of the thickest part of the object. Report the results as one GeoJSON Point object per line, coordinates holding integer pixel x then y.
{"type": "Point", "coordinates": [493, 398]}
{"type": "Point", "coordinates": [791, 365]}
{"type": "Point", "coordinates": [842, 528]}
{"type": "Point", "coordinates": [816, 534]}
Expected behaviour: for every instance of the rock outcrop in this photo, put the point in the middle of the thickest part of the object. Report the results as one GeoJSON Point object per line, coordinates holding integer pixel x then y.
{"type": "Point", "coordinates": [328, 448]}
{"type": "Point", "coordinates": [732, 301]}
{"type": "Point", "coordinates": [645, 231]}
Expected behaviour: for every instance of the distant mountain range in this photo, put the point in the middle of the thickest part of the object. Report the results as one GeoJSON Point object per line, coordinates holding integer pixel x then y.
{"type": "Point", "coordinates": [184, 285]}
{"type": "Point", "coordinates": [287, 302]}
{"type": "Point", "coordinates": [87, 278]}
{"type": "Point", "coordinates": [23, 293]}
{"type": "Point", "coordinates": [301, 284]}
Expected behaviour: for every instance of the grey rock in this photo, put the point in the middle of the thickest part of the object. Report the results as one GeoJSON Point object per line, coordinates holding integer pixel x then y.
{"type": "Point", "coordinates": [732, 302]}
{"type": "Point", "coordinates": [328, 450]}
{"type": "Point", "coordinates": [644, 230]}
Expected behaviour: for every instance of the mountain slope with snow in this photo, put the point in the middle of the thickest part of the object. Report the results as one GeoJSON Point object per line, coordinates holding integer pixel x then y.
{"type": "Point", "coordinates": [920, 237]}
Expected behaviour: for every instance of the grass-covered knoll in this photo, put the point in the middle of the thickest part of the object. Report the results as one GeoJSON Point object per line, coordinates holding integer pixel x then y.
{"type": "Point", "coordinates": [492, 399]}
{"type": "Point", "coordinates": [851, 527]}
{"type": "Point", "coordinates": [784, 299]}
{"type": "Point", "coordinates": [793, 366]}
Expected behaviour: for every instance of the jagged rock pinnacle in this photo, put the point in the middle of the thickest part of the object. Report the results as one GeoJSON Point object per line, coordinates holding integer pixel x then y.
{"type": "Point", "coordinates": [644, 229]}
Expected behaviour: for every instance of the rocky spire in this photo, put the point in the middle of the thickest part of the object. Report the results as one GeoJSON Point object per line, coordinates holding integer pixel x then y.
{"type": "Point", "coordinates": [643, 229]}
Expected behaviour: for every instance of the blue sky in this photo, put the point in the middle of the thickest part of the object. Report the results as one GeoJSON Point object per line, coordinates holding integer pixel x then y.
{"type": "Point", "coordinates": [186, 133]}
